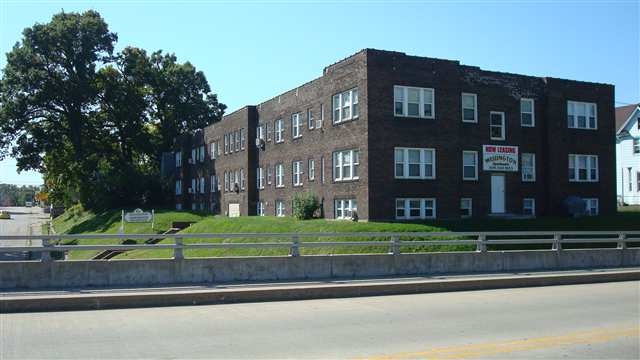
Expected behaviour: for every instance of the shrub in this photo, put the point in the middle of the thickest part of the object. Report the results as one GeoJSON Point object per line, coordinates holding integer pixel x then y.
{"type": "Point", "coordinates": [305, 205]}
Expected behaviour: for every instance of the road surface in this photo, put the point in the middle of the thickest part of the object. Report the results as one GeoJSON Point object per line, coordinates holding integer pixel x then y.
{"type": "Point", "coordinates": [597, 321]}
{"type": "Point", "coordinates": [24, 221]}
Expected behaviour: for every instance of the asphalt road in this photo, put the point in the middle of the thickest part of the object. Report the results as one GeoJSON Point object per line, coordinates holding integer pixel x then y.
{"type": "Point", "coordinates": [24, 221]}
{"type": "Point", "coordinates": [598, 321]}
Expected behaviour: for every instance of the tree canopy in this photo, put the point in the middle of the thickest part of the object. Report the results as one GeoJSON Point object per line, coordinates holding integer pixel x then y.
{"type": "Point", "coordinates": [92, 120]}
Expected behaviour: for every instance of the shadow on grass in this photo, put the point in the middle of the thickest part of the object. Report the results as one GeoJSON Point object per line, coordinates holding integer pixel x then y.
{"type": "Point", "coordinates": [98, 223]}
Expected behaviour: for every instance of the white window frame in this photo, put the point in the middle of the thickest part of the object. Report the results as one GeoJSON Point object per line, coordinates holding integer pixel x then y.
{"type": "Point", "coordinates": [243, 139]}
{"type": "Point", "coordinates": [423, 164]}
{"type": "Point", "coordinates": [342, 207]}
{"type": "Point", "coordinates": [576, 168]}
{"type": "Point", "coordinates": [279, 131]}
{"type": "Point", "coordinates": [269, 174]}
{"type": "Point", "coordinates": [475, 107]}
{"type": "Point", "coordinates": [226, 181]}
{"type": "Point", "coordinates": [589, 206]}
{"type": "Point", "coordinates": [178, 187]}
{"type": "Point", "coordinates": [475, 165]}
{"type": "Point", "coordinates": [242, 182]}
{"type": "Point", "coordinates": [342, 104]}
{"type": "Point", "coordinates": [423, 208]}
{"type": "Point", "coordinates": [260, 208]}
{"type": "Point", "coordinates": [572, 115]}
{"type": "Point", "coordinates": [397, 89]}
{"type": "Point", "coordinates": [202, 185]}
{"type": "Point", "coordinates": [237, 135]}
{"type": "Point", "coordinates": [468, 207]}
{"type": "Point", "coordinates": [502, 127]}
{"type": "Point", "coordinates": [280, 209]}
{"type": "Point", "coordinates": [321, 118]}
{"type": "Point", "coordinates": [310, 121]}
{"type": "Point", "coordinates": [532, 112]}
{"type": "Point", "coordinates": [311, 164]}
{"type": "Point", "coordinates": [296, 171]}
{"type": "Point", "coordinates": [296, 126]}
{"type": "Point", "coordinates": [260, 177]}
{"type": "Point", "coordinates": [214, 187]}
{"type": "Point", "coordinates": [531, 169]}
{"type": "Point", "coordinates": [339, 164]}
{"type": "Point", "coordinates": [212, 149]}
{"type": "Point", "coordinates": [260, 132]}
{"type": "Point", "coordinates": [635, 145]}
{"type": "Point", "coordinates": [226, 143]}
{"type": "Point", "coordinates": [178, 158]}
{"type": "Point", "coordinates": [279, 175]}
{"type": "Point", "coordinates": [531, 208]}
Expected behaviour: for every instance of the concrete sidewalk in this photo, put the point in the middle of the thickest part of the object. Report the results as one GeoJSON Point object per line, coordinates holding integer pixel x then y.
{"type": "Point", "coordinates": [103, 298]}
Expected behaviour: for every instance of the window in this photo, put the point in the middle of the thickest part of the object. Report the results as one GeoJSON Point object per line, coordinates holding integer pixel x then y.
{"type": "Point", "coordinates": [583, 168]}
{"type": "Point", "coordinates": [529, 206]}
{"type": "Point", "coordinates": [212, 150]}
{"type": "Point", "coordinates": [345, 106]}
{"type": "Point", "coordinates": [178, 206]}
{"type": "Point", "coordinates": [312, 169]}
{"type": "Point", "coordinates": [415, 208]}
{"type": "Point", "coordinates": [638, 181]}
{"type": "Point", "coordinates": [214, 187]}
{"type": "Point", "coordinates": [202, 184]}
{"type": "Point", "coordinates": [178, 158]}
{"type": "Point", "coordinates": [582, 115]}
{"type": "Point", "coordinates": [260, 178]}
{"type": "Point", "coordinates": [345, 165]}
{"type": "Point", "coordinates": [202, 153]}
{"type": "Point", "coordinates": [279, 130]}
{"type": "Point", "coordinates": [296, 125]}
{"type": "Point", "coordinates": [237, 136]}
{"type": "Point", "coordinates": [496, 125]}
{"type": "Point", "coordinates": [226, 143]}
{"type": "Point", "coordinates": [469, 108]}
{"type": "Point", "coordinates": [279, 208]}
{"type": "Point", "coordinates": [527, 116]}
{"type": "Point", "coordinates": [321, 118]}
{"type": "Point", "coordinates": [269, 130]}
{"type": "Point", "coordinates": [466, 207]}
{"type": "Point", "coordinates": [260, 208]}
{"type": "Point", "coordinates": [310, 120]}
{"type": "Point", "coordinates": [194, 153]}
{"type": "Point", "coordinates": [528, 167]}
{"type": "Point", "coordinates": [636, 146]}
{"type": "Point", "coordinates": [226, 181]}
{"type": "Point", "coordinates": [469, 165]}
{"type": "Point", "coordinates": [345, 208]}
{"type": "Point", "coordinates": [178, 187]}
{"type": "Point", "coordinates": [241, 179]}
{"type": "Point", "coordinates": [219, 147]}
{"type": "Point", "coordinates": [591, 207]}
{"type": "Point", "coordinates": [297, 173]}
{"type": "Point", "coordinates": [194, 187]}
{"type": "Point", "coordinates": [279, 175]}
{"type": "Point", "coordinates": [242, 139]}
{"type": "Point", "coordinates": [269, 174]}
{"type": "Point", "coordinates": [260, 132]}
{"type": "Point", "coordinates": [414, 102]}
{"type": "Point", "coordinates": [630, 179]}
{"type": "Point", "coordinates": [415, 163]}
{"type": "Point", "coordinates": [322, 169]}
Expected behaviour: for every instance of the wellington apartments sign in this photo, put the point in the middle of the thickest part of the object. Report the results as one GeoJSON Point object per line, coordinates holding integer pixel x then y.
{"type": "Point", "coordinates": [137, 216]}
{"type": "Point", "coordinates": [499, 158]}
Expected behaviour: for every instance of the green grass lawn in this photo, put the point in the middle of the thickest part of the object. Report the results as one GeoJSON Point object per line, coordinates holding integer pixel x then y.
{"type": "Point", "coordinates": [78, 221]}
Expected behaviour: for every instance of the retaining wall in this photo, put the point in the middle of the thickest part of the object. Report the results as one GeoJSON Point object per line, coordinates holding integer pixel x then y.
{"type": "Point", "coordinates": [71, 274]}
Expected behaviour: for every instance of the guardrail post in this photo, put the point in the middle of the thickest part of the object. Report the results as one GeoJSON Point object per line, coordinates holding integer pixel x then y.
{"type": "Point", "coordinates": [482, 243]}
{"type": "Point", "coordinates": [557, 242]}
{"type": "Point", "coordinates": [177, 251]}
{"type": "Point", "coordinates": [295, 246]}
{"type": "Point", "coordinates": [622, 241]}
{"type": "Point", "coordinates": [395, 246]}
{"type": "Point", "coordinates": [46, 254]}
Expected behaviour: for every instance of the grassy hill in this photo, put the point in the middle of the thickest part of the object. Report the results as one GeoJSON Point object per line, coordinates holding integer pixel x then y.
{"type": "Point", "coordinates": [79, 221]}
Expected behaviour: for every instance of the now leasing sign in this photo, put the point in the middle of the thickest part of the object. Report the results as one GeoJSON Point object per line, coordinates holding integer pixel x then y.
{"type": "Point", "coordinates": [499, 158]}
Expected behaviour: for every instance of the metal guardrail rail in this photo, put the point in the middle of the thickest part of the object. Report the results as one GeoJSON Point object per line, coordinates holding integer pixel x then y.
{"type": "Point", "coordinates": [555, 239]}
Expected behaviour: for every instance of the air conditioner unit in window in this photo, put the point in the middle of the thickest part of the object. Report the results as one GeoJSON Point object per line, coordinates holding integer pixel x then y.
{"type": "Point", "coordinates": [260, 143]}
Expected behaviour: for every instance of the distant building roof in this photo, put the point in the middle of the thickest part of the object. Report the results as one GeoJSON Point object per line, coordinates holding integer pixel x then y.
{"type": "Point", "coordinates": [622, 115]}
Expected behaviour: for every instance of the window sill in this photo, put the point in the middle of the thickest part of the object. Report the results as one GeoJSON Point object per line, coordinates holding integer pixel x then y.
{"type": "Point", "coordinates": [414, 117]}
{"type": "Point", "coordinates": [415, 178]}
{"type": "Point", "coordinates": [335, 181]}
{"type": "Point", "coordinates": [470, 121]}
{"type": "Point", "coordinates": [335, 123]}
{"type": "Point", "coordinates": [470, 179]}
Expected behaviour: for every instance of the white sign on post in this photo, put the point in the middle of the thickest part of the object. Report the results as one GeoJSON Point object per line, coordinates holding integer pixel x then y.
{"type": "Point", "coordinates": [138, 216]}
{"type": "Point", "coordinates": [499, 158]}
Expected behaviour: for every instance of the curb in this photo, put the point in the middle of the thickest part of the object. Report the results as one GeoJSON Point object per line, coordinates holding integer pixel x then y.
{"type": "Point", "coordinates": [39, 303]}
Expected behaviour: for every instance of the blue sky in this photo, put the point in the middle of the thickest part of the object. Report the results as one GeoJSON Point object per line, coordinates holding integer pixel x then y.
{"type": "Point", "coordinates": [252, 50]}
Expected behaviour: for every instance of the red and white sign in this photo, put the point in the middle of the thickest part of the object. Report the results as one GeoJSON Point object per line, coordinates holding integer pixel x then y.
{"type": "Point", "coordinates": [499, 158]}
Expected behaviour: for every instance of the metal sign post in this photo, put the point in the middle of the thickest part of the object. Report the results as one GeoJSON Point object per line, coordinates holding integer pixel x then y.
{"type": "Point", "coordinates": [122, 224]}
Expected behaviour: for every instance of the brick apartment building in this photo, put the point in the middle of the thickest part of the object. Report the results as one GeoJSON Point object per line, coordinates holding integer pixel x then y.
{"type": "Point", "coordinates": [394, 136]}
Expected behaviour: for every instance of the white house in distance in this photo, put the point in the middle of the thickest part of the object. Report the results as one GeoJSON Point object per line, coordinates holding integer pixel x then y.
{"type": "Point", "coordinates": [628, 154]}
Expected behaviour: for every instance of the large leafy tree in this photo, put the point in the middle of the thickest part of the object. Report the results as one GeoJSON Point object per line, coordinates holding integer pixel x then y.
{"type": "Point", "coordinates": [92, 120]}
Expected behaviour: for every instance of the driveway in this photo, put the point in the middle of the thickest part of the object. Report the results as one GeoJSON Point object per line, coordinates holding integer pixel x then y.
{"type": "Point", "coordinates": [24, 221]}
